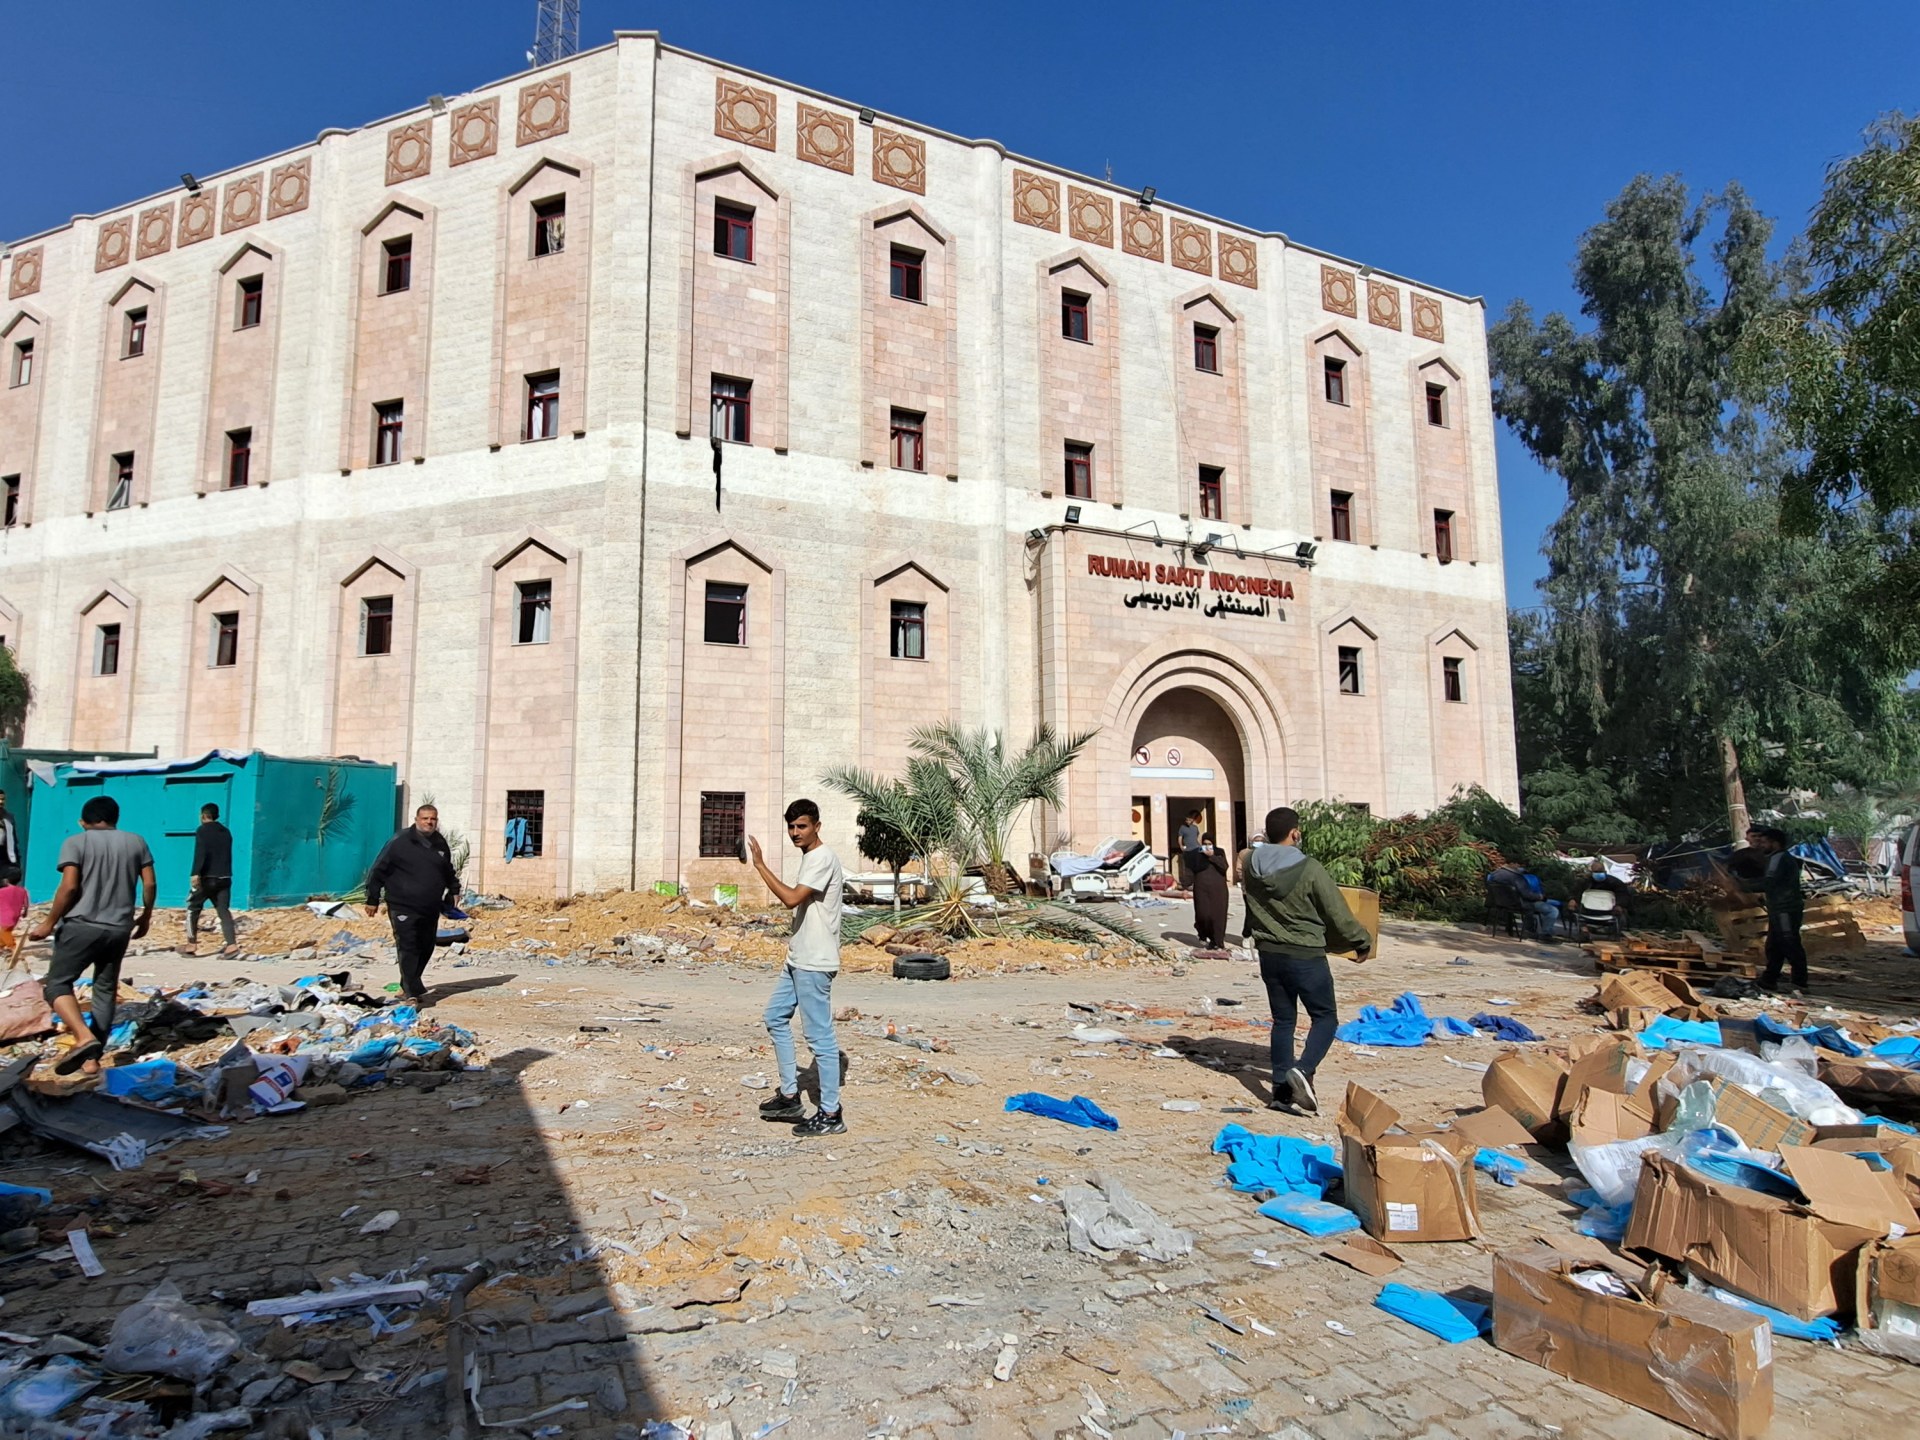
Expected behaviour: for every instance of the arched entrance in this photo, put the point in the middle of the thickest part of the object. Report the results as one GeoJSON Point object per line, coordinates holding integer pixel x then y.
{"type": "Point", "coordinates": [1186, 755]}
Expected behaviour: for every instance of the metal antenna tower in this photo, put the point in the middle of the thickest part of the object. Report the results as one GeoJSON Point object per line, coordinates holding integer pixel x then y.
{"type": "Point", "coordinates": [556, 31]}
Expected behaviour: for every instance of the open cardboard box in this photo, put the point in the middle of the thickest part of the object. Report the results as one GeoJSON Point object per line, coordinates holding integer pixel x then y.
{"type": "Point", "coordinates": [1527, 1085]}
{"type": "Point", "coordinates": [1405, 1182]}
{"type": "Point", "coordinates": [1797, 1257]}
{"type": "Point", "coordinates": [1887, 1310]}
{"type": "Point", "coordinates": [1692, 1359]}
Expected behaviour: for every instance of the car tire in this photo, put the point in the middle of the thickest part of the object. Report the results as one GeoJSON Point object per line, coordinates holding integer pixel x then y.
{"type": "Point", "coordinates": [922, 967]}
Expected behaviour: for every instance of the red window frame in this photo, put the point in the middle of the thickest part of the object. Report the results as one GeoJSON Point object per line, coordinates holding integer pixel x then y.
{"type": "Point", "coordinates": [732, 409]}
{"type": "Point", "coordinates": [1336, 381]}
{"type": "Point", "coordinates": [1443, 536]}
{"type": "Point", "coordinates": [399, 266]}
{"type": "Point", "coordinates": [1453, 683]}
{"type": "Point", "coordinates": [226, 639]}
{"type": "Point", "coordinates": [543, 407]}
{"type": "Point", "coordinates": [389, 431]}
{"type": "Point", "coordinates": [907, 439]}
{"type": "Point", "coordinates": [1206, 349]}
{"type": "Point", "coordinates": [1079, 470]}
{"type": "Point", "coordinates": [252, 301]}
{"type": "Point", "coordinates": [1342, 513]}
{"type": "Point", "coordinates": [1076, 319]}
{"type": "Point", "coordinates": [376, 625]}
{"type": "Point", "coordinates": [907, 274]}
{"type": "Point", "coordinates": [136, 332]}
{"type": "Point", "coordinates": [239, 458]}
{"type": "Point", "coordinates": [907, 634]}
{"type": "Point", "coordinates": [1437, 405]}
{"type": "Point", "coordinates": [550, 226]}
{"type": "Point", "coordinates": [732, 231]}
{"type": "Point", "coordinates": [1212, 492]}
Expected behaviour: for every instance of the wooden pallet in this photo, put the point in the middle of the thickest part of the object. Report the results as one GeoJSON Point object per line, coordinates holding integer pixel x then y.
{"type": "Point", "coordinates": [1696, 955]}
{"type": "Point", "coordinates": [1828, 928]}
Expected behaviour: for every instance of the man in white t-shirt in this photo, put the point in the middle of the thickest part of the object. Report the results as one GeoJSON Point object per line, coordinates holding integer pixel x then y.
{"type": "Point", "coordinates": [806, 983]}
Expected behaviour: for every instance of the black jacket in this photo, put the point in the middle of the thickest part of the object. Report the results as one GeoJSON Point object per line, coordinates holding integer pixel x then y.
{"type": "Point", "coordinates": [212, 852]}
{"type": "Point", "coordinates": [414, 871]}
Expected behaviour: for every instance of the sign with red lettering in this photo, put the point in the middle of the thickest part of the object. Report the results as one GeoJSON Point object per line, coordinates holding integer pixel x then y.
{"type": "Point", "coordinates": [1187, 587]}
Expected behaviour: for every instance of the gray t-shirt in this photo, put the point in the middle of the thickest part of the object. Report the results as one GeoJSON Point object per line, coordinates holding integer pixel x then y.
{"type": "Point", "coordinates": [815, 943]}
{"type": "Point", "coordinates": [109, 862]}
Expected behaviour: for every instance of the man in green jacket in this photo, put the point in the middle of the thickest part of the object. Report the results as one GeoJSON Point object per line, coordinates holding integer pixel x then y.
{"type": "Point", "coordinates": [1292, 906]}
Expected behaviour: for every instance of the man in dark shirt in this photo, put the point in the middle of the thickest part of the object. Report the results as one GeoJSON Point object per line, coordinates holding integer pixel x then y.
{"type": "Point", "coordinates": [1779, 883]}
{"type": "Point", "coordinates": [212, 878]}
{"type": "Point", "coordinates": [414, 872]}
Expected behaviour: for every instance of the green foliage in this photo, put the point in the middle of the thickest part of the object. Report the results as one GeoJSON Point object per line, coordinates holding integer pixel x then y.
{"type": "Point", "coordinates": [1411, 860]}
{"type": "Point", "coordinates": [16, 696]}
{"type": "Point", "coordinates": [1335, 834]}
{"type": "Point", "coordinates": [991, 789]}
{"type": "Point", "coordinates": [882, 843]}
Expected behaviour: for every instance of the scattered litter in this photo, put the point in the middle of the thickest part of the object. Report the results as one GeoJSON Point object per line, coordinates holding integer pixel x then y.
{"type": "Point", "coordinates": [349, 1297]}
{"type": "Point", "coordinates": [82, 1245]}
{"type": "Point", "coordinates": [1402, 1024]}
{"type": "Point", "coordinates": [1103, 1216]}
{"type": "Point", "coordinates": [163, 1335]}
{"type": "Point", "coordinates": [1312, 1216]}
{"type": "Point", "coordinates": [1452, 1320]}
{"type": "Point", "coordinates": [381, 1223]}
{"type": "Point", "coordinates": [1094, 1035]}
{"type": "Point", "coordinates": [1339, 1329]}
{"type": "Point", "coordinates": [1219, 1319]}
{"type": "Point", "coordinates": [955, 1300]}
{"type": "Point", "coordinates": [1184, 1107]}
{"type": "Point", "coordinates": [1077, 1111]}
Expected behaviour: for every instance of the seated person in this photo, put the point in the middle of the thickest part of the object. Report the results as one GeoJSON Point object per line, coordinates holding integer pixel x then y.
{"type": "Point", "coordinates": [1521, 890]}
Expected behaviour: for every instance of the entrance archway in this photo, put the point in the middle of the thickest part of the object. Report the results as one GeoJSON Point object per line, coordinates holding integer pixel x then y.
{"type": "Point", "coordinates": [1186, 754]}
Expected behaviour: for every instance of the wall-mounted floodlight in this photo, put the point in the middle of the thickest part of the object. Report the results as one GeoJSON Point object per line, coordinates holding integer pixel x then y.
{"type": "Point", "coordinates": [193, 185]}
{"type": "Point", "coordinates": [1036, 536]}
{"type": "Point", "coordinates": [1146, 197]}
{"type": "Point", "coordinates": [438, 104]}
{"type": "Point", "coordinates": [1073, 514]}
{"type": "Point", "coordinates": [866, 115]}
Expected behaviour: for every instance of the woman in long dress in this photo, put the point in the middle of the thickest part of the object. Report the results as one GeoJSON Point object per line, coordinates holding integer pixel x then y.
{"type": "Point", "coordinates": [1207, 863]}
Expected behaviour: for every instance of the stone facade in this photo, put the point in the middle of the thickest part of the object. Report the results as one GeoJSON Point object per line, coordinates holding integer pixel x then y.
{"type": "Point", "coordinates": [581, 251]}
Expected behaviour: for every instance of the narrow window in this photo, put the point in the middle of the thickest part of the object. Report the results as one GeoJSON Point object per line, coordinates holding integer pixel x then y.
{"type": "Point", "coordinates": [907, 274]}
{"type": "Point", "coordinates": [1206, 349]}
{"type": "Point", "coordinates": [1337, 381]}
{"type": "Point", "coordinates": [907, 433]}
{"type": "Point", "coordinates": [1211, 477]}
{"type": "Point", "coordinates": [908, 637]}
{"type": "Point", "coordinates": [733, 409]}
{"type": "Point", "coordinates": [106, 650]}
{"type": "Point", "coordinates": [226, 639]}
{"type": "Point", "coordinates": [252, 295]}
{"type": "Point", "coordinates": [550, 226]}
{"type": "Point", "coordinates": [12, 484]}
{"type": "Point", "coordinates": [376, 625]}
{"type": "Point", "coordinates": [120, 493]}
{"type": "Point", "coordinates": [733, 231]}
{"type": "Point", "coordinates": [1437, 405]}
{"type": "Point", "coordinates": [533, 612]}
{"type": "Point", "coordinates": [399, 265]}
{"type": "Point", "coordinates": [1349, 669]}
{"type": "Point", "coordinates": [726, 616]}
{"type": "Point", "coordinates": [1443, 536]}
{"type": "Point", "coordinates": [1342, 528]}
{"type": "Point", "coordinates": [239, 457]}
{"type": "Point", "coordinates": [543, 406]}
{"type": "Point", "coordinates": [529, 808]}
{"type": "Point", "coordinates": [1079, 470]}
{"type": "Point", "coordinates": [389, 427]}
{"type": "Point", "coordinates": [1451, 680]}
{"type": "Point", "coordinates": [22, 363]}
{"type": "Point", "coordinates": [1074, 323]}
{"type": "Point", "coordinates": [136, 333]}
{"type": "Point", "coordinates": [723, 823]}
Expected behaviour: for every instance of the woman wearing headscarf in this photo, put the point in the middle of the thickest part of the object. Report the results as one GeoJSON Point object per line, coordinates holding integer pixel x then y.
{"type": "Point", "coordinates": [1207, 864]}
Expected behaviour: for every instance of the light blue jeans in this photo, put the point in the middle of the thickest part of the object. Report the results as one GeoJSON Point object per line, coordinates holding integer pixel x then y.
{"type": "Point", "coordinates": [811, 993]}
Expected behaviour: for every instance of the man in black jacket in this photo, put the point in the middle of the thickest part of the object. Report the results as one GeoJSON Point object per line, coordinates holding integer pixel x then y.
{"type": "Point", "coordinates": [414, 871]}
{"type": "Point", "coordinates": [212, 877]}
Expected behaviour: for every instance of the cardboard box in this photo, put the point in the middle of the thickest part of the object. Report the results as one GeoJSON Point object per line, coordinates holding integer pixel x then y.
{"type": "Point", "coordinates": [1887, 1312]}
{"type": "Point", "coordinates": [1603, 1117]}
{"type": "Point", "coordinates": [1597, 1063]}
{"type": "Point", "coordinates": [1365, 905]}
{"type": "Point", "coordinates": [1870, 1083]}
{"type": "Point", "coordinates": [1689, 1358]}
{"type": "Point", "coordinates": [1405, 1182]}
{"type": "Point", "coordinates": [1527, 1086]}
{"type": "Point", "coordinates": [1800, 1258]}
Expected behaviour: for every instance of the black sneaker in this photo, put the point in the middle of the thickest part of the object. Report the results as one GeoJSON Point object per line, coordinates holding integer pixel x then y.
{"type": "Point", "coordinates": [783, 1107]}
{"type": "Point", "coordinates": [821, 1122]}
{"type": "Point", "coordinates": [1284, 1106]}
{"type": "Point", "coordinates": [1301, 1089]}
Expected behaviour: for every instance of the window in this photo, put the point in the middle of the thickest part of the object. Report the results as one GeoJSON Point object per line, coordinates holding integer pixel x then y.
{"type": "Point", "coordinates": [533, 612]}
{"type": "Point", "coordinates": [1452, 682]}
{"type": "Point", "coordinates": [1079, 470]}
{"type": "Point", "coordinates": [1436, 405]}
{"type": "Point", "coordinates": [1337, 381]}
{"type": "Point", "coordinates": [226, 639]}
{"type": "Point", "coordinates": [376, 625]}
{"type": "Point", "coordinates": [389, 426]}
{"type": "Point", "coordinates": [1211, 477]}
{"type": "Point", "coordinates": [239, 457]}
{"type": "Point", "coordinates": [106, 650]}
{"type": "Point", "coordinates": [22, 363]}
{"type": "Point", "coordinates": [120, 493]}
{"type": "Point", "coordinates": [1074, 323]}
{"type": "Point", "coordinates": [1342, 528]}
{"type": "Point", "coordinates": [733, 409]}
{"type": "Point", "coordinates": [1443, 536]}
{"type": "Point", "coordinates": [399, 267]}
{"type": "Point", "coordinates": [252, 294]}
{"type": "Point", "coordinates": [1349, 669]}
{"type": "Point", "coordinates": [723, 823]}
{"type": "Point", "coordinates": [733, 231]}
{"type": "Point", "coordinates": [12, 517]}
{"type": "Point", "coordinates": [1206, 349]}
{"type": "Point", "coordinates": [726, 618]}
{"type": "Point", "coordinates": [529, 807]}
{"type": "Point", "coordinates": [907, 433]}
{"type": "Point", "coordinates": [907, 274]}
{"type": "Point", "coordinates": [136, 343]}
{"type": "Point", "coordinates": [549, 234]}
{"type": "Point", "coordinates": [543, 406]}
{"type": "Point", "coordinates": [908, 634]}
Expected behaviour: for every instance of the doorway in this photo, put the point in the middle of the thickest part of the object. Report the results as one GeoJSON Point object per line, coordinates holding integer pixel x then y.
{"type": "Point", "coordinates": [1178, 808]}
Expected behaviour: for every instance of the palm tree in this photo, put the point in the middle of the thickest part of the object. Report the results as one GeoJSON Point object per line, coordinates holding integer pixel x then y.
{"type": "Point", "coordinates": [992, 789]}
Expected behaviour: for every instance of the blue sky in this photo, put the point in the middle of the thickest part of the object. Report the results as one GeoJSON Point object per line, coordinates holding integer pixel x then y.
{"type": "Point", "coordinates": [1465, 145]}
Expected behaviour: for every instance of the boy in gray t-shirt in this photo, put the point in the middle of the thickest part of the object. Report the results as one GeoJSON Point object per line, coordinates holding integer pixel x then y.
{"type": "Point", "coordinates": [92, 920]}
